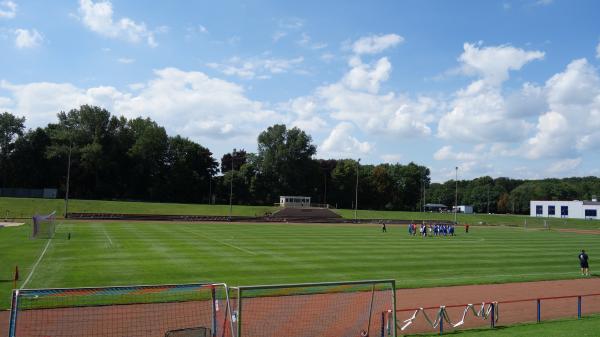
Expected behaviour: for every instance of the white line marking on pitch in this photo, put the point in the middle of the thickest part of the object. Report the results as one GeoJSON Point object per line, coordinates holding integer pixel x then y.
{"type": "Point", "coordinates": [107, 236]}
{"type": "Point", "coordinates": [36, 264]}
{"type": "Point", "coordinates": [221, 242]}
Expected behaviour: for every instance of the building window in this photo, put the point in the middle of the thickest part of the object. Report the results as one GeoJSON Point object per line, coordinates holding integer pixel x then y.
{"type": "Point", "coordinates": [564, 211]}
{"type": "Point", "coordinates": [539, 210]}
{"type": "Point", "coordinates": [551, 210]}
{"type": "Point", "coordinates": [591, 213]}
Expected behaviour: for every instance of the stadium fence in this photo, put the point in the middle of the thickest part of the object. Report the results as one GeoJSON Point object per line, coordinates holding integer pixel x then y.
{"type": "Point", "coordinates": [341, 309]}
{"type": "Point", "coordinates": [133, 311]}
{"type": "Point", "coordinates": [440, 318]}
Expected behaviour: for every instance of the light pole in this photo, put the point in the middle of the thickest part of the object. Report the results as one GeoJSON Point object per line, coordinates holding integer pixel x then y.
{"type": "Point", "coordinates": [356, 194]}
{"type": "Point", "coordinates": [231, 187]}
{"type": "Point", "coordinates": [456, 194]}
{"type": "Point", "coordinates": [488, 199]}
{"type": "Point", "coordinates": [68, 178]}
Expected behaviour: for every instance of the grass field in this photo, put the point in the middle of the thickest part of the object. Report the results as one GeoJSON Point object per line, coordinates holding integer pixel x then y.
{"type": "Point", "coordinates": [112, 253]}
{"type": "Point", "coordinates": [586, 327]}
{"type": "Point", "coordinates": [26, 207]}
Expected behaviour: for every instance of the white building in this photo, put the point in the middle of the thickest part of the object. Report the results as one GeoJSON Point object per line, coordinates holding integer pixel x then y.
{"type": "Point", "coordinates": [466, 209]}
{"type": "Point", "coordinates": [294, 201]}
{"type": "Point", "coordinates": [575, 209]}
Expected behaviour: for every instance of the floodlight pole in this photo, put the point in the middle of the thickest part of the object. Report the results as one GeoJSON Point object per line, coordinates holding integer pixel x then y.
{"type": "Point", "coordinates": [456, 194]}
{"type": "Point", "coordinates": [356, 194]}
{"type": "Point", "coordinates": [488, 199]}
{"type": "Point", "coordinates": [231, 187]}
{"type": "Point", "coordinates": [68, 179]}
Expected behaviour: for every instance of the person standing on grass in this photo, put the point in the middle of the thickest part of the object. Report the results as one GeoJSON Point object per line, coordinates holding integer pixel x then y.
{"type": "Point", "coordinates": [583, 262]}
{"type": "Point", "coordinates": [383, 228]}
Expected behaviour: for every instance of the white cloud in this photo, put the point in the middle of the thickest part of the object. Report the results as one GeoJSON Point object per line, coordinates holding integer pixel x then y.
{"type": "Point", "coordinates": [291, 23]}
{"type": "Point", "coordinates": [564, 166]}
{"type": "Point", "coordinates": [355, 98]}
{"type": "Point", "coordinates": [492, 64]}
{"type": "Point", "coordinates": [8, 9]}
{"type": "Point", "coordinates": [193, 31]}
{"type": "Point", "coordinates": [367, 77]}
{"type": "Point", "coordinates": [25, 38]}
{"type": "Point", "coordinates": [572, 123]}
{"type": "Point", "coordinates": [341, 143]}
{"type": "Point", "coordinates": [125, 60]}
{"type": "Point", "coordinates": [278, 35]}
{"type": "Point", "coordinates": [327, 57]}
{"type": "Point", "coordinates": [306, 42]}
{"type": "Point", "coordinates": [391, 158]}
{"type": "Point", "coordinates": [375, 44]}
{"type": "Point", "coordinates": [598, 51]}
{"type": "Point", "coordinates": [260, 68]}
{"type": "Point", "coordinates": [447, 153]}
{"type": "Point", "coordinates": [192, 104]}
{"type": "Point", "coordinates": [480, 112]}
{"type": "Point", "coordinates": [98, 17]}
{"type": "Point", "coordinates": [531, 100]}
{"type": "Point", "coordinates": [543, 2]}
{"type": "Point", "coordinates": [304, 114]}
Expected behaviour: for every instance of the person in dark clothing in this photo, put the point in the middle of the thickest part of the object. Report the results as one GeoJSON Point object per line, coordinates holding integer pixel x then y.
{"type": "Point", "coordinates": [583, 262]}
{"type": "Point", "coordinates": [383, 228]}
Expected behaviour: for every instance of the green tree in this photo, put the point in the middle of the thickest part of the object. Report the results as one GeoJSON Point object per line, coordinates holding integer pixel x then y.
{"type": "Point", "coordinates": [11, 127]}
{"type": "Point", "coordinates": [285, 159]}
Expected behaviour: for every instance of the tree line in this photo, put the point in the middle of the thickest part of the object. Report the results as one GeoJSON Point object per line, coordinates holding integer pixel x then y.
{"type": "Point", "coordinates": [135, 159]}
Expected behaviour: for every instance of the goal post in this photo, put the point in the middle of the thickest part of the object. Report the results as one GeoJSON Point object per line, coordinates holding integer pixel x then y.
{"type": "Point", "coordinates": [43, 226]}
{"type": "Point", "coordinates": [194, 310]}
{"type": "Point", "coordinates": [341, 309]}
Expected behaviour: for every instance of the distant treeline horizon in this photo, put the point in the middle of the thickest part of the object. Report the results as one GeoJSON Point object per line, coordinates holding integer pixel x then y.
{"type": "Point", "coordinates": [115, 158]}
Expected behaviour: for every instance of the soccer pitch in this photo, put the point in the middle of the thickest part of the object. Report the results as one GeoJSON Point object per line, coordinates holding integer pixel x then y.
{"type": "Point", "coordinates": [117, 253]}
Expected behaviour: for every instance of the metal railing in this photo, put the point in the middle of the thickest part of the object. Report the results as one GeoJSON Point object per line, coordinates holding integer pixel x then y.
{"type": "Point", "coordinates": [491, 311]}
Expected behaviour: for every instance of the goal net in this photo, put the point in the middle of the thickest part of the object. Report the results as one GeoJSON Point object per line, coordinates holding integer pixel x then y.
{"type": "Point", "coordinates": [341, 309]}
{"type": "Point", "coordinates": [43, 226]}
{"type": "Point", "coordinates": [183, 310]}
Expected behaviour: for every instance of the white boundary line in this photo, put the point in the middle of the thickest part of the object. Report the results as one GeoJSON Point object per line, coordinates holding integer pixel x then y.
{"type": "Point", "coordinates": [36, 264]}
{"type": "Point", "coordinates": [107, 236]}
{"type": "Point", "coordinates": [221, 242]}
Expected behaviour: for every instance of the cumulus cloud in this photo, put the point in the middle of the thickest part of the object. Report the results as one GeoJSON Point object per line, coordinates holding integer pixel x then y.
{"type": "Point", "coordinates": [480, 112]}
{"type": "Point", "coordinates": [186, 102]}
{"type": "Point", "coordinates": [447, 153]}
{"type": "Point", "coordinates": [8, 9]}
{"type": "Point", "coordinates": [98, 17]}
{"type": "Point", "coordinates": [25, 38]}
{"type": "Point", "coordinates": [375, 44]}
{"type": "Point", "coordinates": [573, 121]}
{"type": "Point", "coordinates": [304, 114]}
{"type": "Point", "coordinates": [341, 143]}
{"type": "Point", "coordinates": [492, 64]}
{"type": "Point", "coordinates": [261, 67]}
{"type": "Point", "coordinates": [367, 77]}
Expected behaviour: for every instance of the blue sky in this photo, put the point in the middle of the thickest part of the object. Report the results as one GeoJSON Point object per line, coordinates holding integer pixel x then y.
{"type": "Point", "coordinates": [500, 88]}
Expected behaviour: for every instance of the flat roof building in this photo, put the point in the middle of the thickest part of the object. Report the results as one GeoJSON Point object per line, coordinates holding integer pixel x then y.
{"type": "Point", "coordinates": [575, 209]}
{"type": "Point", "coordinates": [294, 201]}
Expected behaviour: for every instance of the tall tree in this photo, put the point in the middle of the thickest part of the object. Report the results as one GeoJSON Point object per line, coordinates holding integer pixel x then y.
{"type": "Point", "coordinates": [239, 159]}
{"type": "Point", "coordinates": [285, 159]}
{"type": "Point", "coordinates": [11, 127]}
